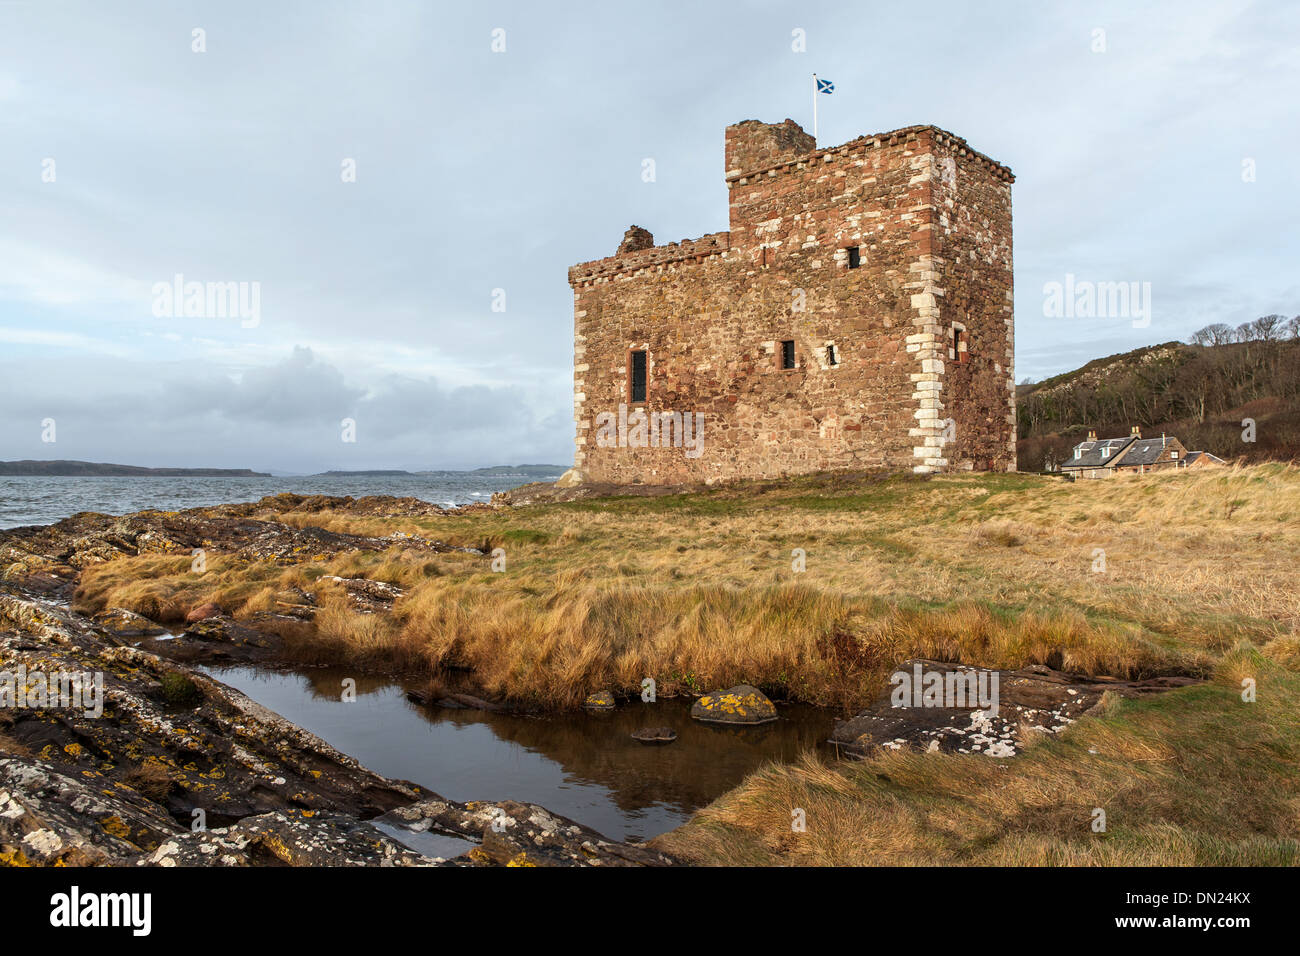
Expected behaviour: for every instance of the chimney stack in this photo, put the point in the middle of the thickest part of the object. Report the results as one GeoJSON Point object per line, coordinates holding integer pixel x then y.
{"type": "Point", "coordinates": [1137, 432]}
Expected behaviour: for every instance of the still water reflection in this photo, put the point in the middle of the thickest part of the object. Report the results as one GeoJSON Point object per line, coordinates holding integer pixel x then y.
{"type": "Point", "coordinates": [582, 766]}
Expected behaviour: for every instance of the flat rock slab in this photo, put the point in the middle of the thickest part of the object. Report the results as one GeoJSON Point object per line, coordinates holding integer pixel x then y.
{"type": "Point", "coordinates": [511, 833]}
{"type": "Point", "coordinates": [1033, 699]}
{"type": "Point", "coordinates": [123, 623]}
{"type": "Point", "coordinates": [287, 837]}
{"type": "Point", "coordinates": [456, 701]}
{"type": "Point", "coordinates": [741, 704]}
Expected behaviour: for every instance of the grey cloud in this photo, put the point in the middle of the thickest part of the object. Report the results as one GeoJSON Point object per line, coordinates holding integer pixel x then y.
{"type": "Point", "coordinates": [286, 416]}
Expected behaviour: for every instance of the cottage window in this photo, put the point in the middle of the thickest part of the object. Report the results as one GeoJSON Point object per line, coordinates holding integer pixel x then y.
{"type": "Point", "coordinates": [636, 379]}
{"type": "Point", "coordinates": [1173, 454]}
{"type": "Point", "coordinates": [1105, 453]}
{"type": "Point", "coordinates": [855, 256]}
{"type": "Point", "coordinates": [787, 354]}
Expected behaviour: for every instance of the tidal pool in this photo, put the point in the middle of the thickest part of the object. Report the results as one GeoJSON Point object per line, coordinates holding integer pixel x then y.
{"type": "Point", "coordinates": [583, 766]}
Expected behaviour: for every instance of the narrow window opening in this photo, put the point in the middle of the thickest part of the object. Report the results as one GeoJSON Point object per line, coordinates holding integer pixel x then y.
{"type": "Point", "coordinates": [636, 378]}
{"type": "Point", "coordinates": [960, 350]}
{"type": "Point", "coordinates": [832, 358]}
{"type": "Point", "coordinates": [787, 354]}
{"type": "Point", "coordinates": [855, 256]}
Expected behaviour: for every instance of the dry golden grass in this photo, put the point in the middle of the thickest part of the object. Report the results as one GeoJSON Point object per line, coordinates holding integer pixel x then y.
{"type": "Point", "coordinates": [151, 778]}
{"type": "Point", "coordinates": [699, 591]}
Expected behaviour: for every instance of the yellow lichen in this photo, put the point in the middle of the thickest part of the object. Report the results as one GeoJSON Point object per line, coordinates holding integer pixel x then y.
{"type": "Point", "coordinates": [115, 826]}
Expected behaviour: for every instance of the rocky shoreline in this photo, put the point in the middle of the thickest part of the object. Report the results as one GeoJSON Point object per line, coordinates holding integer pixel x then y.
{"type": "Point", "coordinates": [181, 769]}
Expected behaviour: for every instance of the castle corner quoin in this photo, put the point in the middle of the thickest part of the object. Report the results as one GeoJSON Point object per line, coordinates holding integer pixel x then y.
{"type": "Point", "coordinates": [857, 314]}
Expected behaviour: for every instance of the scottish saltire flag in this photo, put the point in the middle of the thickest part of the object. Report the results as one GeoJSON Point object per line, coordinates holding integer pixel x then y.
{"type": "Point", "coordinates": [825, 86]}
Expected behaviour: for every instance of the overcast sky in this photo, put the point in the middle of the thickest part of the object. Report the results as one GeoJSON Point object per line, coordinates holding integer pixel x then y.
{"type": "Point", "coordinates": [479, 170]}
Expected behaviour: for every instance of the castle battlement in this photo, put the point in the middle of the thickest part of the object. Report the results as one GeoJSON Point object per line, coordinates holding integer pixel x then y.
{"type": "Point", "coordinates": [856, 148]}
{"type": "Point", "coordinates": [697, 250]}
{"type": "Point", "coordinates": [655, 258]}
{"type": "Point", "coordinates": [857, 313]}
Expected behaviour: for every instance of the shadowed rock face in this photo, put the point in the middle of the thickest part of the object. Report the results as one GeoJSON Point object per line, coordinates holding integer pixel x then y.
{"type": "Point", "coordinates": [123, 787]}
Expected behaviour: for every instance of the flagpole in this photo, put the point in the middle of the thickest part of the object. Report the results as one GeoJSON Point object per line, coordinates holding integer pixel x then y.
{"type": "Point", "coordinates": [814, 108]}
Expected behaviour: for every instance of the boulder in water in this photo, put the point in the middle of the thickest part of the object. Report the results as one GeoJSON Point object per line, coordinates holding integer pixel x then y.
{"type": "Point", "coordinates": [655, 735]}
{"type": "Point", "coordinates": [741, 704]}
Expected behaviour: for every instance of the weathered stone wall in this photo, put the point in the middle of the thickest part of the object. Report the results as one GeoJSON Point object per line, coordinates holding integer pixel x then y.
{"type": "Point", "coordinates": [974, 266]}
{"type": "Point", "coordinates": [711, 315]}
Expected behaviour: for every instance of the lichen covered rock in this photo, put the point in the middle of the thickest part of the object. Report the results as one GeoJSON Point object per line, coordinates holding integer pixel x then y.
{"type": "Point", "coordinates": [741, 704]}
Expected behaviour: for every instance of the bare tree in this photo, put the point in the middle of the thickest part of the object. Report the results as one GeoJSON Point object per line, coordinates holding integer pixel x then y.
{"type": "Point", "coordinates": [1216, 334]}
{"type": "Point", "coordinates": [1269, 328]}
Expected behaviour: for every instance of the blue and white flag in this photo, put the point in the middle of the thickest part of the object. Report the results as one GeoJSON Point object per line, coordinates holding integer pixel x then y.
{"type": "Point", "coordinates": [825, 86]}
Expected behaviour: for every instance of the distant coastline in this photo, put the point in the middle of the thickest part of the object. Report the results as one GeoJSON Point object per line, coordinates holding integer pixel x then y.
{"type": "Point", "coordinates": [522, 470]}
{"type": "Point", "coordinates": [531, 471]}
{"type": "Point", "coordinates": [93, 469]}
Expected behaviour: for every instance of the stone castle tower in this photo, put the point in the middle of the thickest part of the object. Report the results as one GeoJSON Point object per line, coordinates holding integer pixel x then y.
{"type": "Point", "coordinates": [857, 314]}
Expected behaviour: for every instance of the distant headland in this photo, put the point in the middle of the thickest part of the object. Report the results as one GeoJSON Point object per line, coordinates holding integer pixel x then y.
{"type": "Point", "coordinates": [531, 471]}
{"type": "Point", "coordinates": [94, 469]}
{"type": "Point", "coordinates": [522, 470]}
{"type": "Point", "coordinates": [91, 469]}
